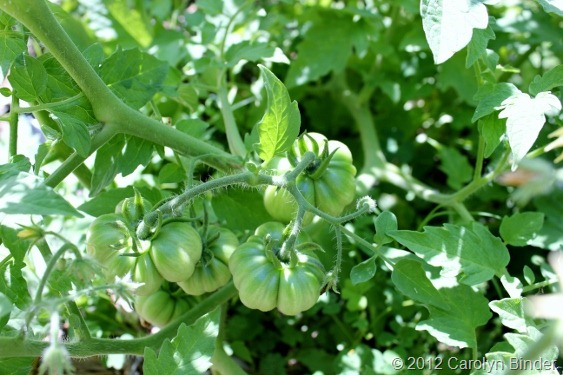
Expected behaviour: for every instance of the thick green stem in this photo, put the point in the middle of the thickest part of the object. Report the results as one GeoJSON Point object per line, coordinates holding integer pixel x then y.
{"type": "Point", "coordinates": [236, 144]}
{"type": "Point", "coordinates": [13, 147]}
{"type": "Point", "coordinates": [130, 121]}
{"type": "Point", "coordinates": [150, 220]}
{"type": "Point", "coordinates": [38, 18]}
{"type": "Point", "coordinates": [21, 347]}
{"type": "Point", "coordinates": [480, 157]}
{"type": "Point", "coordinates": [374, 159]}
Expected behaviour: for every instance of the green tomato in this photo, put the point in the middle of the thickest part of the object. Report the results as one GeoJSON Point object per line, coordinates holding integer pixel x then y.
{"type": "Point", "coordinates": [176, 250]}
{"type": "Point", "coordinates": [264, 282]}
{"type": "Point", "coordinates": [107, 239]}
{"type": "Point", "coordinates": [329, 186]}
{"type": "Point", "coordinates": [158, 308]}
{"type": "Point", "coordinates": [147, 274]}
{"type": "Point", "coordinates": [212, 271]}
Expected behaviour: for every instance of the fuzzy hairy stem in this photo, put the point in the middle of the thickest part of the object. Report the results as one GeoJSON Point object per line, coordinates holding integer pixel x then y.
{"type": "Point", "coordinates": [22, 347]}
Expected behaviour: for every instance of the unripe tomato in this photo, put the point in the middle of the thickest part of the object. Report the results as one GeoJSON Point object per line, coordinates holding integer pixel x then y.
{"type": "Point", "coordinates": [328, 185]}
{"type": "Point", "coordinates": [160, 308]}
{"type": "Point", "coordinates": [265, 282]}
{"type": "Point", "coordinates": [212, 270]}
{"type": "Point", "coordinates": [147, 274]}
{"type": "Point", "coordinates": [156, 308]}
{"type": "Point", "coordinates": [107, 239]}
{"type": "Point", "coordinates": [176, 250]}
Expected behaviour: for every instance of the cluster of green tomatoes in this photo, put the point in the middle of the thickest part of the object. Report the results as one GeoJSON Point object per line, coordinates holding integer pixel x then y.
{"type": "Point", "coordinates": [182, 259]}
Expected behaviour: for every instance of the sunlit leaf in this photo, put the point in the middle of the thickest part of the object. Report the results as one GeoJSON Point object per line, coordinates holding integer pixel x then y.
{"type": "Point", "coordinates": [449, 24]}
{"type": "Point", "coordinates": [518, 229]}
{"type": "Point", "coordinates": [471, 250]}
{"type": "Point", "coordinates": [279, 127]}
{"type": "Point", "coordinates": [525, 117]}
{"type": "Point", "coordinates": [189, 352]}
{"type": "Point", "coordinates": [449, 320]}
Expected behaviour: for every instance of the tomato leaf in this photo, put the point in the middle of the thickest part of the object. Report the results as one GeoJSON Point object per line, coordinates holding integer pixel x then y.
{"type": "Point", "coordinates": [449, 24]}
{"type": "Point", "coordinates": [548, 81]}
{"type": "Point", "coordinates": [525, 117]}
{"type": "Point", "coordinates": [490, 98]}
{"type": "Point", "coordinates": [477, 47]}
{"type": "Point", "coordinates": [492, 129]}
{"type": "Point", "coordinates": [171, 173]}
{"type": "Point", "coordinates": [384, 222]}
{"type": "Point", "coordinates": [327, 46]}
{"type": "Point", "coordinates": [511, 313]}
{"type": "Point", "coordinates": [74, 128]}
{"type": "Point", "coordinates": [520, 228]}
{"type": "Point", "coordinates": [106, 165]}
{"type": "Point", "coordinates": [28, 77]}
{"type": "Point", "coordinates": [364, 271]}
{"type": "Point", "coordinates": [137, 152]}
{"type": "Point", "coordinates": [549, 237]}
{"type": "Point", "coordinates": [17, 366]}
{"type": "Point", "coordinates": [11, 45]}
{"type": "Point", "coordinates": [472, 250]}
{"type": "Point", "coordinates": [132, 21]}
{"type": "Point", "coordinates": [134, 76]}
{"type": "Point", "coordinates": [455, 166]}
{"type": "Point", "coordinates": [12, 283]}
{"type": "Point", "coordinates": [23, 193]}
{"type": "Point", "coordinates": [552, 6]}
{"type": "Point", "coordinates": [280, 125]}
{"type": "Point", "coordinates": [449, 320]}
{"type": "Point", "coordinates": [241, 209]}
{"type": "Point", "coordinates": [189, 352]}
{"type": "Point", "coordinates": [246, 50]}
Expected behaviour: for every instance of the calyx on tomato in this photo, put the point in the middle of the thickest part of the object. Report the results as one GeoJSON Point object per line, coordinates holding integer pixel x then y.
{"type": "Point", "coordinates": [110, 242]}
{"type": "Point", "coordinates": [328, 183]}
{"type": "Point", "coordinates": [134, 208]}
{"type": "Point", "coordinates": [175, 251]}
{"type": "Point", "coordinates": [212, 270]}
{"type": "Point", "coordinates": [265, 282]}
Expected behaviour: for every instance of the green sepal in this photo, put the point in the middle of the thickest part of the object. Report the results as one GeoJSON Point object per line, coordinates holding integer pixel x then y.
{"type": "Point", "coordinates": [325, 160]}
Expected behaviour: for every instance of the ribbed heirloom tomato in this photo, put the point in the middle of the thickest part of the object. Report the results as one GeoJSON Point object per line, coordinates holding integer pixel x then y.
{"type": "Point", "coordinates": [107, 239]}
{"type": "Point", "coordinates": [212, 271]}
{"type": "Point", "coordinates": [160, 308]}
{"type": "Point", "coordinates": [265, 282]}
{"type": "Point", "coordinates": [175, 251]}
{"type": "Point", "coordinates": [147, 274]}
{"type": "Point", "coordinates": [328, 183]}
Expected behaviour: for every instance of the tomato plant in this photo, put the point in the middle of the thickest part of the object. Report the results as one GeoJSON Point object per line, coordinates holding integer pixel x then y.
{"type": "Point", "coordinates": [336, 187]}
